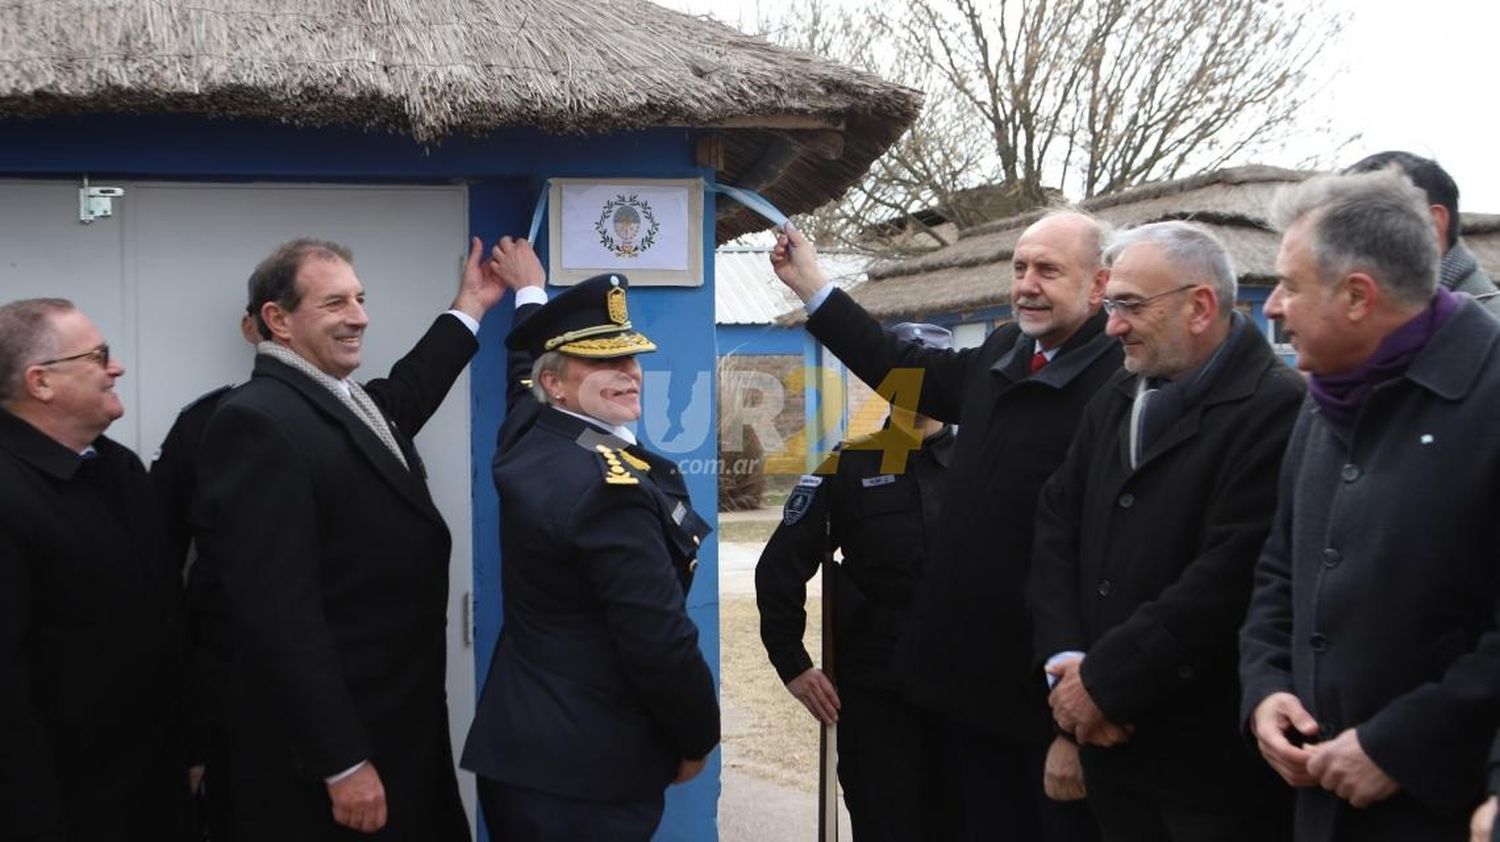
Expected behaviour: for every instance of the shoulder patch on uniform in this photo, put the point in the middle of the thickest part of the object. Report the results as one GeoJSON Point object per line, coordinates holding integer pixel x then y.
{"type": "Point", "coordinates": [800, 500]}
{"type": "Point", "coordinates": [614, 472]}
{"type": "Point", "coordinates": [883, 479]}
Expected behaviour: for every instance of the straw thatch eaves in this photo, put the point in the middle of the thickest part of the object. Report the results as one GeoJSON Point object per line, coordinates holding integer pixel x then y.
{"type": "Point", "coordinates": [974, 273]}
{"type": "Point", "coordinates": [1481, 233]}
{"type": "Point", "coordinates": [797, 127]}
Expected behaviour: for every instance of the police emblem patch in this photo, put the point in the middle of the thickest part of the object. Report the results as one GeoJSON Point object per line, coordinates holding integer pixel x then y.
{"type": "Point", "coordinates": [800, 500]}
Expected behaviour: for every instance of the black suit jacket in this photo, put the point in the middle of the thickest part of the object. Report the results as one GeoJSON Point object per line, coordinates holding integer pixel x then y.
{"type": "Point", "coordinates": [1148, 570]}
{"type": "Point", "coordinates": [334, 562]}
{"type": "Point", "coordinates": [90, 647]}
{"type": "Point", "coordinates": [967, 647]}
{"type": "Point", "coordinates": [597, 689]}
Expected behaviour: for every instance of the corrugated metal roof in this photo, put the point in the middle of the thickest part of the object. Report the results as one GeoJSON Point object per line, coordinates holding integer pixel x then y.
{"type": "Point", "coordinates": [747, 292]}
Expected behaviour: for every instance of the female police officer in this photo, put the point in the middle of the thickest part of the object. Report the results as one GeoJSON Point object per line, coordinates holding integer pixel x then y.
{"type": "Point", "coordinates": [597, 696]}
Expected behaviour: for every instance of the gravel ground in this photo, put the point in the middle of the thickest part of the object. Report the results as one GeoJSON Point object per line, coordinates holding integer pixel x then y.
{"type": "Point", "coordinates": [770, 741]}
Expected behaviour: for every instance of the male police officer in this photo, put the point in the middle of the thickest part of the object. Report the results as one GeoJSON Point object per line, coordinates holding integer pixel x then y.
{"type": "Point", "coordinates": [877, 500]}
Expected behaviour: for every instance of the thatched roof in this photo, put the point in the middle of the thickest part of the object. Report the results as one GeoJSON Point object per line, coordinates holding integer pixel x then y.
{"type": "Point", "coordinates": [1481, 233]}
{"type": "Point", "coordinates": [975, 273]}
{"type": "Point", "coordinates": [797, 127]}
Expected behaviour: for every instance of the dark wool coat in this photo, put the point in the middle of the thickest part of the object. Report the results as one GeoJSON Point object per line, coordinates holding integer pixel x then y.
{"type": "Point", "coordinates": [1376, 593]}
{"type": "Point", "coordinates": [90, 647]}
{"type": "Point", "coordinates": [1148, 571]}
{"type": "Point", "coordinates": [334, 562]}
{"type": "Point", "coordinates": [597, 689]}
{"type": "Point", "coordinates": [967, 649]}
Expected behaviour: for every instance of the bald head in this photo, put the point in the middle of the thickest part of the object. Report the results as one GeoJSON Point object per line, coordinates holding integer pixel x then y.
{"type": "Point", "coordinates": [1074, 230]}
{"type": "Point", "coordinates": [1059, 276]}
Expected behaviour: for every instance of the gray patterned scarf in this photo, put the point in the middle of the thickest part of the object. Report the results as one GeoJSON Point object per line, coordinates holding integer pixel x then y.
{"type": "Point", "coordinates": [1458, 263]}
{"type": "Point", "coordinates": [356, 399]}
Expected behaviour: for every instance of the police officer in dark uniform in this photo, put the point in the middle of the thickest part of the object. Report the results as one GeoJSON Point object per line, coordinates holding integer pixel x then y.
{"type": "Point", "coordinates": [597, 697]}
{"type": "Point", "coordinates": [876, 499]}
{"type": "Point", "coordinates": [174, 477]}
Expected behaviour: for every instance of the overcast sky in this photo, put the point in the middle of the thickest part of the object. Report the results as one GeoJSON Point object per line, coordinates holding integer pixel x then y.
{"type": "Point", "coordinates": [1416, 76]}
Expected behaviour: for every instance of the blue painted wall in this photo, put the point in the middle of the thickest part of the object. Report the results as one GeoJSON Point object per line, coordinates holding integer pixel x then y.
{"type": "Point", "coordinates": [759, 339]}
{"type": "Point", "coordinates": [504, 173]}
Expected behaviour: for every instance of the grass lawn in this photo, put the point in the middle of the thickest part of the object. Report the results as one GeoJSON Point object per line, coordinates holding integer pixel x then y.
{"type": "Point", "coordinates": [780, 742]}
{"type": "Point", "coordinates": [747, 531]}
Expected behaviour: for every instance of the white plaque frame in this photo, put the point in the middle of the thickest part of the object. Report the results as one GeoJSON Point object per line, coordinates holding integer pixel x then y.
{"type": "Point", "coordinates": [560, 275]}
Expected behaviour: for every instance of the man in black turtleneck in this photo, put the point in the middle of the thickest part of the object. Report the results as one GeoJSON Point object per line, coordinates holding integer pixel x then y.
{"type": "Point", "coordinates": [965, 654]}
{"type": "Point", "coordinates": [1145, 541]}
{"type": "Point", "coordinates": [1370, 657]}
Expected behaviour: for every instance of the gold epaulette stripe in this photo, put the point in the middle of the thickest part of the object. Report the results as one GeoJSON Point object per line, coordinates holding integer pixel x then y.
{"type": "Point", "coordinates": [614, 472]}
{"type": "Point", "coordinates": [635, 461]}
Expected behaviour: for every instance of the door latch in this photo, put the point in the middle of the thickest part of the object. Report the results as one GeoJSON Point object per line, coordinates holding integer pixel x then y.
{"type": "Point", "coordinates": [96, 202]}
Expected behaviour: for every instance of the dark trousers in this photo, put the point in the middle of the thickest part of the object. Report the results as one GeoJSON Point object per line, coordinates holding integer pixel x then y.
{"type": "Point", "coordinates": [517, 814]}
{"type": "Point", "coordinates": [1127, 814]}
{"type": "Point", "coordinates": [1002, 795]}
{"type": "Point", "coordinates": [214, 800]}
{"type": "Point", "coordinates": [898, 779]}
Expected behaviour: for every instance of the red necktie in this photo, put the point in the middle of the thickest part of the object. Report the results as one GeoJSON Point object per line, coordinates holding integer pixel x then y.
{"type": "Point", "coordinates": [1038, 360]}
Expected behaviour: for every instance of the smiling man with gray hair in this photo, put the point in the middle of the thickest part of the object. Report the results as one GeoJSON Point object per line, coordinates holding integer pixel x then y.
{"type": "Point", "coordinates": [1370, 658]}
{"type": "Point", "coordinates": [1146, 537]}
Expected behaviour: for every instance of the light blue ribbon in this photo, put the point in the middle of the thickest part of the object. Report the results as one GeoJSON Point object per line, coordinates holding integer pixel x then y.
{"type": "Point", "coordinates": [754, 201]}
{"type": "Point", "coordinates": [541, 210]}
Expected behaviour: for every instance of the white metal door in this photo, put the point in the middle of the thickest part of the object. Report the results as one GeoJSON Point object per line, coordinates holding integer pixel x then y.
{"type": "Point", "coordinates": [165, 281]}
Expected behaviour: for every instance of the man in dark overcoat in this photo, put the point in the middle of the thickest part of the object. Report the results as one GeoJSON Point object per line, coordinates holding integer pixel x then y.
{"type": "Point", "coordinates": [334, 563]}
{"type": "Point", "coordinates": [1370, 657]}
{"type": "Point", "coordinates": [878, 501]}
{"type": "Point", "coordinates": [1016, 399]}
{"type": "Point", "coordinates": [90, 613]}
{"type": "Point", "coordinates": [1146, 539]}
{"type": "Point", "coordinates": [597, 697]}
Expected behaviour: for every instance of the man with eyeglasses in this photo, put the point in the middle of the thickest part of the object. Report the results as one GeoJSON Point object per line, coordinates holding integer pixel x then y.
{"type": "Point", "coordinates": [965, 653]}
{"type": "Point", "coordinates": [1146, 537]}
{"type": "Point", "coordinates": [90, 613]}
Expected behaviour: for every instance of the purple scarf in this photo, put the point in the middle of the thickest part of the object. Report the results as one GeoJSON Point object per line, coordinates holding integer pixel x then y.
{"type": "Point", "coordinates": [1340, 396]}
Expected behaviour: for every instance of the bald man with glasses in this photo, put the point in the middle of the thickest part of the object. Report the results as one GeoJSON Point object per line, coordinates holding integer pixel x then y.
{"type": "Point", "coordinates": [90, 613]}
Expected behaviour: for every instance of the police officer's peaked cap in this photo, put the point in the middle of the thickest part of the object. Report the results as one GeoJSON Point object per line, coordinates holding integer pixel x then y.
{"type": "Point", "coordinates": [586, 320]}
{"type": "Point", "coordinates": [930, 336]}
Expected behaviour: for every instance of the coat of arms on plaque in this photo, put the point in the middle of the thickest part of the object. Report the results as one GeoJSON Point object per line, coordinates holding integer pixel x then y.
{"type": "Point", "coordinates": [620, 222]}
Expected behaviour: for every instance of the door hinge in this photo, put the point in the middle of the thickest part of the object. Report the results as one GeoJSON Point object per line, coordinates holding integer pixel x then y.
{"type": "Point", "coordinates": [468, 618]}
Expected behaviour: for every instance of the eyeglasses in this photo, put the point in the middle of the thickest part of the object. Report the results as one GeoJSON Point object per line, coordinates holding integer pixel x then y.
{"type": "Point", "coordinates": [99, 355]}
{"type": "Point", "coordinates": [1133, 306]}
